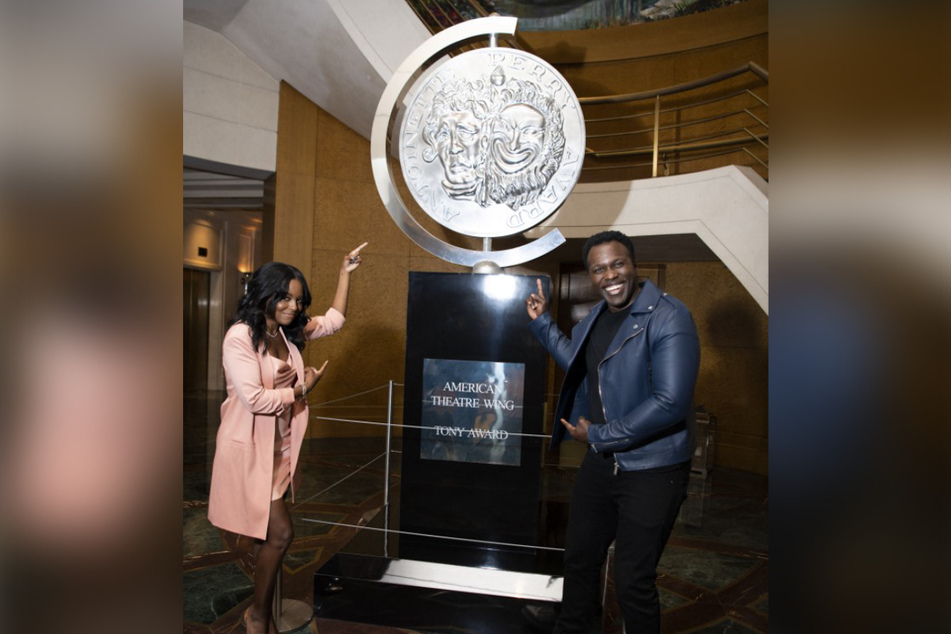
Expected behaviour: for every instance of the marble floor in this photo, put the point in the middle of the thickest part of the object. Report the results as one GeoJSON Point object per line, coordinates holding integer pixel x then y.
{"type": "Point", "coordinates": [713, 576]}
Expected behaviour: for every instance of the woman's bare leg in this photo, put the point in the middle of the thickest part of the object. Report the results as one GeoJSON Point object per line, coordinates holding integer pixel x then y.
{"type": "Point", "coordinates": [280, 534]}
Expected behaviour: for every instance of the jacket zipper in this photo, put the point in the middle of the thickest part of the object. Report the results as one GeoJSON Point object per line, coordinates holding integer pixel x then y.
{"type": "Point", "coordinates": [604, 414]}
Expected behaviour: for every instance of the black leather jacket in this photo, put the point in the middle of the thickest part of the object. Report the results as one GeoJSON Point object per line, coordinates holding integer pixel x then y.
{"type": "Point", "coordinates": [647, 381]}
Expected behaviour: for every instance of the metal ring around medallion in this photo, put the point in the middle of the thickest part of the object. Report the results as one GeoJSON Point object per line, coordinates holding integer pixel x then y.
{"type": "Point", "coordinates": [491, 143]}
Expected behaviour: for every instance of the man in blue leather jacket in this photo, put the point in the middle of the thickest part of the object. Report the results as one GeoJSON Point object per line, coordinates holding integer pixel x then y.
{"type": "Point", "coordinates": [631, 365]}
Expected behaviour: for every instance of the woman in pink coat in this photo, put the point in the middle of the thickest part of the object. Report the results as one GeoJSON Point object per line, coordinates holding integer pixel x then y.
{"type": "Point", "coordinates": [264, 417]}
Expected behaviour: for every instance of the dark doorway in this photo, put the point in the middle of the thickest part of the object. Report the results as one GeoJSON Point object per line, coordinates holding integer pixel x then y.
{"type": "Point", "coordinates": [196, 285]}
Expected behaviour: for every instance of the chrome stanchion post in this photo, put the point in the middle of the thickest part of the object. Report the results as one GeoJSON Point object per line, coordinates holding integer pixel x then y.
{"type": "Point", "coordinates": [386, 473]}
{"type": "Point", "coordinates": [289, 614]}
{"type": "Point", "coordinates": [656, 134]}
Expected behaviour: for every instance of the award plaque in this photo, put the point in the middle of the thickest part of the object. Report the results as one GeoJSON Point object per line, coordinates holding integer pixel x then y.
{"type": "Point", "coordinates": [472, 411]}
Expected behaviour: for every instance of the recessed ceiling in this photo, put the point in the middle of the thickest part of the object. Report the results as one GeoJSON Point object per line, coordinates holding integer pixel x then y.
{"type": "Point", "coordinates": [203, 190]}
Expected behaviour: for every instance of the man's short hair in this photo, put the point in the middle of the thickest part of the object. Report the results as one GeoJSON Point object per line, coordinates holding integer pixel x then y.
{"type": "Point", "coordinates": [607, 236]}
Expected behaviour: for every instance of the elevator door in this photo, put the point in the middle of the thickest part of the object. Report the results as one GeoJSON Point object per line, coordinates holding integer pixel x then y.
{"type": "Point", "coordinates": [197, 286]}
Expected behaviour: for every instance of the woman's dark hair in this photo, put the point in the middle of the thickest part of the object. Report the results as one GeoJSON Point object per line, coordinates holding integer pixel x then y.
{"type": "Point", "coordinates": [607, 236]}
{"type": "Point", "coordinates": [269, 285]}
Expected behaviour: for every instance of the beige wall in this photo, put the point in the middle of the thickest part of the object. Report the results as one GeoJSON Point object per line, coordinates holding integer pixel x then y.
{"type": "Point", "coordinates": [325, 190]}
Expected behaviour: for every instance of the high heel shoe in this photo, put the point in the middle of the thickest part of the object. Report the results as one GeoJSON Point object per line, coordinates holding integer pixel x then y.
{"type": "Point", "coordinates": [246, 617]}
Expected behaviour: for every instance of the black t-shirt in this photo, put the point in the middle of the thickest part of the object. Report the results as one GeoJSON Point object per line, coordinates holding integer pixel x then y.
{"type": "Point", "coordinates": [602, 333]}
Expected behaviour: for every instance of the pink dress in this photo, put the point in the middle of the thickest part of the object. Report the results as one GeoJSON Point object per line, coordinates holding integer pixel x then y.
{"type": "Point", "coordinates": [284, 376]}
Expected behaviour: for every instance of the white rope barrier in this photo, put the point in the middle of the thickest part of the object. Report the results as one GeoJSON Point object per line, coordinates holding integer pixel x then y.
{"type": "Point", "coordinates": [343, 398]}
{"type": "Point", "coordinates": [340, 481]}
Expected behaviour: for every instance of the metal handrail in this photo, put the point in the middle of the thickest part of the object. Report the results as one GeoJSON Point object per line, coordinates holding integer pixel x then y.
{"type": "Point", "coordinates": [666, 161]}
{"type": "Point", "coordinates": [682, 147]}
{"type": "Point", "coordinates": [684, 87]}
{"type": "Point", "coordinates": [742, 135]}
{"type": "Point", "coordinates": [695, 104]}
{"type": "Point", "coordinates": [680, 125]}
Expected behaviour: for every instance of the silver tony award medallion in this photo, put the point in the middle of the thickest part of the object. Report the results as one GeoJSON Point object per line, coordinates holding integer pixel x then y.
{"type": "Point", "coordinates": [491, 143]}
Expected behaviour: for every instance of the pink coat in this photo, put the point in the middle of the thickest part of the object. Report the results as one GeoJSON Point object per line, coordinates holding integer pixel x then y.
{"type": "Point", "coordinates": [240, 496]}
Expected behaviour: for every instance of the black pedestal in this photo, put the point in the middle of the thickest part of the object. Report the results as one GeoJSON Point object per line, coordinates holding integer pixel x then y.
{"type": "Point", "coordinates": [473, 410]}
{"type": "Point", "coordinates": [467, 554]}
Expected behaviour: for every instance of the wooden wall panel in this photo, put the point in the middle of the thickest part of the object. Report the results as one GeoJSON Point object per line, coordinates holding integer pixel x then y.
{"type": "Point", "coordinates": [296, 179]}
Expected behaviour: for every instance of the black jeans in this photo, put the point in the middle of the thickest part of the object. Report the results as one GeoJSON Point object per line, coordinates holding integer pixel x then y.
{"type": "Point", "coordinates": [635, 509]}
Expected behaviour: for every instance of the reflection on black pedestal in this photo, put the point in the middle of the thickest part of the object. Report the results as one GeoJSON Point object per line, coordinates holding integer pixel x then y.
{"type": "Point", "coordinates": [427, 596]}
